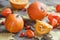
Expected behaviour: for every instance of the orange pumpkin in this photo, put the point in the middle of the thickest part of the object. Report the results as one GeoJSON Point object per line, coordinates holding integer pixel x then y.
{"type": "Point", "coordinates": [29, 33]}
{"type": "Point", "coordinates": [14, 23]}
{"type": "Point", "coordinates": [37, 10]}
{"type": "Point", "coordinates": [42, 28]}
{"type": "Point", "coordinates": [18, 4]}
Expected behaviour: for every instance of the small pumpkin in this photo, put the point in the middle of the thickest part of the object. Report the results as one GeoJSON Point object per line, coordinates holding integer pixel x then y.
{"type": "Point", "coordinates": [18, 4]}
{"type": "Point", "coordinates": [30, 33]}
{"type": "Point", "coordinates": [14, 23]}
{"type": "Point", "coordinates": [42, 28]}
{"type": "Point", "coordinates": [37, 10]}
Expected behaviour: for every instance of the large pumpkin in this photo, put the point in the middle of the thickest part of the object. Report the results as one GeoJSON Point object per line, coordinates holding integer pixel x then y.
{"type": "Point", "coordinates": [14, 23]}
{"type": "Point", "coordinates": [37, 10]}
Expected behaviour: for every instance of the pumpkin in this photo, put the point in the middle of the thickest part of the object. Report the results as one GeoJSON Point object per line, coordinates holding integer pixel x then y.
{"type": "Point", "coordinates": [37, 10]}
{"type": "Point", "coordinates": [29, 33]}
{"type": "Point", "coordinates": [14, 23]}
{"type": "Point", "coordinates": [18, 4]}
{"type": "Point", "coordinates": [42, 28]}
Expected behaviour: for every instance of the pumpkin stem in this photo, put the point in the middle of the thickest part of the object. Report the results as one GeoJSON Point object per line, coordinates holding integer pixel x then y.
{"type": "Point", "coordinates": [42, 9]}
{"type": "Point", "coordinates": [17, 16]}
